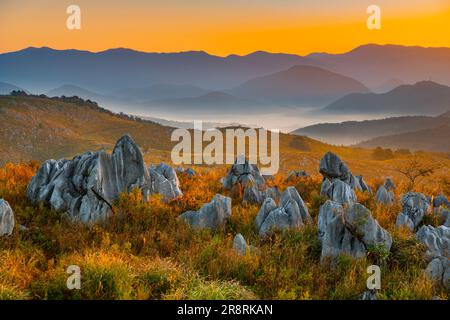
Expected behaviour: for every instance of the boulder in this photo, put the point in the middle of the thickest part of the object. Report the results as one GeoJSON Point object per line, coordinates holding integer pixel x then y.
{"type": "Point", "coordinates": [364, 186]}
{"type": "Point", "coordinates": [447, 220]}
{"type": "Point", "coordinates": [6, 219]}
{"type": "Point", "coordinates": [354, 183]}
{"type": "Point", "coordinates": [292, 213]}
{"type": "Point", "coordinates": [189, 171]}
{"type": "Point", "coordinates": [341, 192]}
{"type": "Point", "coordinates": [385, 196]}
{"type": "Point", "coordinates": [439, 270]}
{"type": "Point", "coordinates": [369, 295]}
{"type": "Point", "coordinates": [349, 231]}
{"type": "Point", "coordinates": [441, 201]}
{"type": "Point", "coordinates": [415, 206]}
{"type": "Point", "coordinates": [268, 206]}
{"type": "Point", "coordinates": [272, 192]}
{"type": "Point", "coordinates": [211, 216]}
{"type": "Point", "coordinates": [437, 240]}
{"type": "Point", "coordinates": [389, 184]}
{"type": "Point", "coordinates": [164, 180]}
{"type": "Point", "coordinates": [403, 220]}
{"type": "Point", "coordinates": [86, 186]}
{"type": "Point", "coordinates": [332, 167]}
{"type": "Point", "coordinates": [326, 184]}
{"type": "Point", "coordinates": [241, 246]}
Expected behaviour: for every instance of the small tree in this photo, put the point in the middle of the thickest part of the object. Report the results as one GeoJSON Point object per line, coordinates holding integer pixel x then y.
{"type": "Point", "coordinates": [415, 169]}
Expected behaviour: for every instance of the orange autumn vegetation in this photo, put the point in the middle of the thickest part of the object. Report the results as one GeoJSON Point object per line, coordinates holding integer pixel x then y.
{"type": "Point", "coordinates": [145, 252]}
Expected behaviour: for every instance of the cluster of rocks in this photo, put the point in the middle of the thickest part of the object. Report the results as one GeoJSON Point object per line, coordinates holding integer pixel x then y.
{"type": "Point", "coordinates": [345, 226]}
{"type": "Point", "coordinates": [247, 177]}
{"type": "Point", "coordinates": [291, 213]}
{"type": "Point", "coordinates": [338, 177]}
{"type": "Point", "coordinates": [385, 194]}
{"type": "Point", "coordinates": [414, 208]}
{"type": "Point", "coordinates": [86, 186]}
{"type": "Point", "coordinates": [6, 219]}
{"type": "Point", "coordinates": [441, 209]}
{"type": "Point", "coordinates": [437, 241]}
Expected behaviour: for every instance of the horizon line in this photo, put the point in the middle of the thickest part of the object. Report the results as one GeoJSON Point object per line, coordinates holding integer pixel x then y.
{"type": "Point", "coordinates": [224, 56]}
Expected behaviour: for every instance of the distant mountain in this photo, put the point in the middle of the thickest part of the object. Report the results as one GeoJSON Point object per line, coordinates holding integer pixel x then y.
{"type": "Point", "coordinates": [190, 124]}
{"type": "Point", "coordinates": [299, 86]}
{"type": "Point", "coordinates": [69, 90]}
{"type": "Point", "coordinates": [446, 115]}
{"type": "Point", "coordinates": [434, 139]}
{"type": "Point", "coordinates": [352, 132]}
{"type": "Point", "coordinates": [6, 88]}
{"type": "Point", "coordinates": [372, 64]}
{"type": "Point", "coordinates": [388, 85]}
{"type": "Point", "coordinates": [41, 69]}
{"type": "Point", "coordinates": [212, 103]}
{"type": "Point", "coordinates": [424, 98]}
{"type": "Point", "coordinates": [159, 92]}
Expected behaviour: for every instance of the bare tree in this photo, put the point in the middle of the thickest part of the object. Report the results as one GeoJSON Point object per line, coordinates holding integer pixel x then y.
{"type": "Point", "coordinates": [415, 169]}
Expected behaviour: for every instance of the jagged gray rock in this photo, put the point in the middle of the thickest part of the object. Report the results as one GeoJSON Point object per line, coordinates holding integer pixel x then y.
{"type": "Point", "coordinates": [212, 215]}
{"type": "Point", "coordinates": [415, 206]}
{"type": "Point", "coordinates": [189, 171]}
{"type": "Point", "coordinates": [241, 246]}
{"type": "Point", "coordinates": [292, 213]}
{"type": "Point", "coordinates": [6, 218]}
{"type": "Point", "coordinates": [439, 270]}
{"type": "Point", "coordinates": [86, 186]}
{"type": "Point", "coordinates": [341, 192]}
{"type": "Point", "coordinates": [326, 184]}
{"type": "Point", "coordinates": [332, 167]}
{"type": "Point", "coordinates": [403, 220]}
{"type": "Point", "coordinates": [437, 240]}
{"type": "Point", "coordinates": [349, 231]}
{"type": "Point", "coordinates": [164, 180]}
{"type": "Point", "coordinates": [385, 196]}
{"type": "Point", "coordinates": [369, 295]}
{"type": "Point", "coordinates": [389, 184]}
{"type": "Point", "coordinates": [362, 183]}
{"type": "Point", "coordinates": [441, 201]}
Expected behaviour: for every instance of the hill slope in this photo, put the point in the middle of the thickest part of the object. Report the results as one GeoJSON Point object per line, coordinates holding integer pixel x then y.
{"type": "Point", "coordinates": [42, 128]}
{"type": "Point", "coordinates": [299, 85]}
{"type": "Point", "coordinates": [6, 88]}
{"type": "Point", "coordinates": [434, 139]}
{"type": "Point", "coordinates": [425, 98]}
{"type": "Point", "coordinates": [351, 132]}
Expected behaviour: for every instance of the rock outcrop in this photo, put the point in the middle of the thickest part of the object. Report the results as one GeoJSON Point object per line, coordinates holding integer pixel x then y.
{"type": "Point", "coordinates": [241, 246]}
{"type": "Point", "coordinates": [326, 184]}
{"type": "Point", "coordinates": [349, 231]}
{"type": "Point", "coordinates": [86, 186]}
{"type": "Point", "coordinates": [164, 180]}
{"type": "Point", "coordinates": [362, 183]}
{"type": "Point", "coordinates": [341, 192]}
{"type": "Point", "coordinates": [415, 207]}
{"type": "Point", "coordinates": [437, 240]}
{"type": "Point", "coordinates": [439, 270]}
{"type": "Point", "coordinates": [385, 196]}
{"type": "Point", "coordinates": [6, 219]}
{"type": "Point", "coordinates": [332, 167]}
{"type": "Point", "coordinates": [211, 216]}
{"type": "Point", "coordinates": [291, 213]}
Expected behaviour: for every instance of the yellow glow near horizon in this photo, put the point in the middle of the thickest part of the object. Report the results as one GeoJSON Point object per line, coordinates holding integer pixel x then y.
{"type": "Point", "coordinates": [222, 28]}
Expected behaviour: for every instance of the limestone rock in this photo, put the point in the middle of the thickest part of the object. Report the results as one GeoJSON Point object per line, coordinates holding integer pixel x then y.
{"type": "Point", "coordinates": [439, 270]}
{"type": "Point", "coordinates": [241, 246]}
{"type": "Point", "coordinates": [362, 183]}
{"type": "Point", "coordinates": [296, 174]}
{"type": "Point", "coordinates": [332, 167]}
{"type": "Point", "coordinates": [6, 219]}
{"type": "Point", "coordinates": [164, 180]}
{"type": "Point", "coordinates": [326, 184]}
{"type": "Point", "coordinates": [415, 206]}
{"type": "Point", "coordinates": [437, 240]}
{"type": "Point", "coordinates": [389, 184]}
{"type": "Point", "coordinates": [212, 215]}
{"type": "Point", "coordinates": [403, 220]}
{"type": "Point", "coordinates": [267, 206]}
{"type": "Point", "coordinates": [86, 186]}
{"type": "Point", "coordinates": [349, 231]}
{"type": "Point", "coordinates": [385, 196]}
{"type": "Point", "coordinates": [341, 192]}
{"type": "Point", "coordinates": [441, 200]}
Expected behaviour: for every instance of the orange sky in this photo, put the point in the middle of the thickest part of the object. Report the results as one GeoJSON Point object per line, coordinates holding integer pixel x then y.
{"type": "Point", "coordinates": [222, 27]}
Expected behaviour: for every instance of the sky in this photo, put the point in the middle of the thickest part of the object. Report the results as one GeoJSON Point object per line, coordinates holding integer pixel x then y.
{"type": "Point", "coordinates": [222, 27]}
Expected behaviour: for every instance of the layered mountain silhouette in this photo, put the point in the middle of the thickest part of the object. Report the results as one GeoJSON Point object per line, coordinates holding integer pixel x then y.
{"type": "Point", "coordinates": [352, 132]}
{"type": "Point", "coordinates": [299, 85]}
{"type": "Point", "coordinates": [425, 98]}
{"type": "Point", "coordinates": [159, 91]}
{"type": "Point", "coordinates": [41, 69]}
